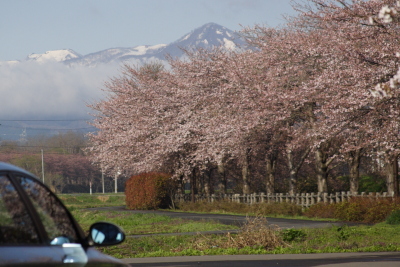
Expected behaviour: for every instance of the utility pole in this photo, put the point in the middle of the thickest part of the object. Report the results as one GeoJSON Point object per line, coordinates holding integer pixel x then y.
{"type": "Point", "coordinates": [102, 179]}
{"type": "Point", "coordinates": [42, 167]}
{"type": "Point", "coordinates": [116, 179]}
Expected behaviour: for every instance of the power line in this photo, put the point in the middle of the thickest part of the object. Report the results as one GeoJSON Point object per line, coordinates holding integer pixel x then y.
{"type": "Point", "coordinates": [38, 146]}
{"type": "Point", "coordinates": [38, 153]}
{"type": "Point", "coordinates": [88, 119]}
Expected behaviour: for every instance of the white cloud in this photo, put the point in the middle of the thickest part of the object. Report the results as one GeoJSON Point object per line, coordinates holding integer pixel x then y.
{"type": "Point", "coordinates": [32, 90]}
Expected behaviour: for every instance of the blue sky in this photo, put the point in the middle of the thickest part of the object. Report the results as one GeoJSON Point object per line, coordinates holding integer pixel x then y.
{"type": "Point", "coordinates": [87, 26]}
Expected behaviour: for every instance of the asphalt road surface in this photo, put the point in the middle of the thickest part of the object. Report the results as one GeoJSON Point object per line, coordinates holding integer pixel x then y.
{"type": "Point", "coordinates": [382, 259]}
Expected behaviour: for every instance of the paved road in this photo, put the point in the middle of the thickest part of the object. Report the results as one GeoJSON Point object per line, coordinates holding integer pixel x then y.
{"type": "Point", "coordinates": [382, 259]}
{"type": "Point", "coordinates": [232, 219]}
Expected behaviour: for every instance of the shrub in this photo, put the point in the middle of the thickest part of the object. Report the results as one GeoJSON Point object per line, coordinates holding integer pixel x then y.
{"type": "Point", "coordinates": [350, 211]}
{"type": "Point", "coordinates": [394, 217]}
{"type": "Point", "coordinates": [255, 233]}
{"type": "Point", "coordinates": [263, 209]}
{"type": "Point", "coordinates": [148, 191]}
{"type": "Point", "coordinates": [289, 235]}
{"type": "Point", "coordinates": [358, 209]}
{"type": "Point", "coordinates": [321, 210]}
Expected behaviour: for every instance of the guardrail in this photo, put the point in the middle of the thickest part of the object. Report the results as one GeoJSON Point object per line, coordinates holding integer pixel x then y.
{"type": "Point", "coordinates": [304, 199]}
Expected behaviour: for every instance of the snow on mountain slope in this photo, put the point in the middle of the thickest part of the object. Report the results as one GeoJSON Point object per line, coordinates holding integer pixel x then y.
{"type": "Point", "coordinates": [211, 34]}
{"type": "Point", "coordinates": [55, 55]}
{"type": "Point", "coordinates": [115, 55]}
{"type": "Point", "coordinates": [206, 36]}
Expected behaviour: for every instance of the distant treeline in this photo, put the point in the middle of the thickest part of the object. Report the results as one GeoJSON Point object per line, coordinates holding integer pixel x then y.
{"type": "Point", "coordinates": [66, 167]}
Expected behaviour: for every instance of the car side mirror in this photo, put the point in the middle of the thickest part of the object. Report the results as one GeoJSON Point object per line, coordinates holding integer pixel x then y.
{"type": "Point", "coordinates": [106, 234]}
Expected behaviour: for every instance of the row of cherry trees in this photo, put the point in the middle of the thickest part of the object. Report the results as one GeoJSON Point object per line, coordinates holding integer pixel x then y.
{"type": "Point", "coordinates": [321, 88]}
{"type": "Point", "coordinates": [59, 159]}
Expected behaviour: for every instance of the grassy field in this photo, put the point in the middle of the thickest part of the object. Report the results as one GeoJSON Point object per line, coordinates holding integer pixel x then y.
{"type": "Point", "coordinates": [82, 201]}
{"type": "Point", "coordinates": [255, 237]}
{"type": "Point", "coordinates": [138, 224]}
{"type": "Point", "coordinates": [380, 237]}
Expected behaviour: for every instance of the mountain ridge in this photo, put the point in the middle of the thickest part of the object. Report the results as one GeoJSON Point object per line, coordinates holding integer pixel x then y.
{"type": "Point", "coordinates": [207, 36]}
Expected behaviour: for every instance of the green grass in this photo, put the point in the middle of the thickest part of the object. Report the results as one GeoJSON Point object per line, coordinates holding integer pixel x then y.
{"type": "Point", "coordinates": [137, 223]}
{"type": "Point", "coordinates": [363, 238]}
{"type": "Point", "coordinates": [381, 237]}
{"type": "Point", "coordinates": [81, 201]}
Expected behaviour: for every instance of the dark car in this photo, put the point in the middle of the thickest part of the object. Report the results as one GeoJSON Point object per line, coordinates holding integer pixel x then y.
{"type": "Point", "coordinates": [36, 229]}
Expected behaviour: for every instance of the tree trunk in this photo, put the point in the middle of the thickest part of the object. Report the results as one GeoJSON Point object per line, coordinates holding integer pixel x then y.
{"type": "Point", "coordinates": [245, 177]}
{"type": "Point", "coordinates": [354, 162]}
{"type": "Point", "coordinates": [193, 187]}
{"type": "Point", "coordinates": [322, 171]}
{"type": "Point", "coordinates": [222, 179]}
{"type": "Point", "coordinates": [292, 173]}
{"type": "Point", "coordinates": [181, 185]}
{"type": "Point", "coordinates": [294, 168]}
{"type": "Point", "coordinates": [270, 166]}
{"type": "Point", "coordinates": [199, 182]}
{"type": "Point", "coordinates": [392, 169]}
{"type": "Point", "coordinates": [206, 179]}
{"type": "Point", "coordinates": [245, 174]}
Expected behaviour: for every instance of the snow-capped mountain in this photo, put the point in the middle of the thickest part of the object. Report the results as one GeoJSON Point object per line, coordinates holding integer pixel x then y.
{"type": "Point", "coordinates": [55, 55]}
{"type": "Point", "coordinates": [60, 83]}
{"type": "Point", "coordinates": [138, 53]}
{"type": "Point", "coordinates": [209, 35]}
{"type": "Point", "coordinates": [206, 36]}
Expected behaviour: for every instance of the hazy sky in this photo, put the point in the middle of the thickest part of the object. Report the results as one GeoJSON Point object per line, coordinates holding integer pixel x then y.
{"type": "Point", "coordinates": [87, 26]}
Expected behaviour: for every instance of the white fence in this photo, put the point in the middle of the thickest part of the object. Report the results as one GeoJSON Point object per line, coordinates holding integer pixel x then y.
{"type": "Point", "coordinates": [304, 199]}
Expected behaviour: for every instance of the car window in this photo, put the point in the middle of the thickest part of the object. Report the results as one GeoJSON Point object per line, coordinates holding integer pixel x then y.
{"type": "Point", "coordinates": [53, 215]}
{"type": "Point", "coordinates": [16, 225]}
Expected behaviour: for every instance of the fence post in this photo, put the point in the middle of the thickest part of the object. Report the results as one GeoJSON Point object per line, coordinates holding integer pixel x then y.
{"type": "Point", "coordinates": [325, 197]}
{"type": "Point", "coordinates": [301, 199]}
{"type": "Point", "coordinates": [262, 195]}
{"type": "Point", "coordinates": [348, 196]}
